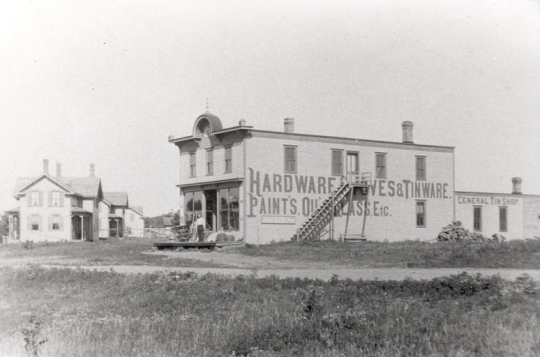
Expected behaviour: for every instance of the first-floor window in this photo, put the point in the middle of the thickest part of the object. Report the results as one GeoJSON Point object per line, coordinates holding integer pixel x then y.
{"type": "Point", "coordinates": [477, 216]}
{"type": "Point", "coordinates": [503, 219]}
{"type": "Point", "coordinates": [192, 206]}
{"type": "Point", "coordinates": [420, 214]}
{"type": "Point", "coordinates": [56, 223]}
{"type": "Point", "coordinates": [35, 222]}
{"type": "Point", "coordinates": [229, 208]}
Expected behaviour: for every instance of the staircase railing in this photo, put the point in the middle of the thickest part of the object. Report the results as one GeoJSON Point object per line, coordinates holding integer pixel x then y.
{"type": "Point", "coordinates": [316, 222]}
{"type": "Point", "coordinates": [310, 227]}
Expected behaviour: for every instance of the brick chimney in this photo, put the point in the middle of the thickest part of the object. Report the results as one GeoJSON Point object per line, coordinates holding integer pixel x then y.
{"type": "Point", "coordinates": [242, 122]}
{"type": "Point", "coordinates": [45, 167]}
{"type": "Point", "coordinates": [58, 169]}
{"type": "Point", "coordinates": [516, 185]}
{"type": "Point", "coordinates": [92, 169]}
{"type": "Point", "coordinates": [407, 127]}
{"type": "Point", "coordinates": [289, 125]}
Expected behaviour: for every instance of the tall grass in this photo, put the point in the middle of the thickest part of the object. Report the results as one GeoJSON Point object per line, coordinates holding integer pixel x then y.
{"type": "Point", "coordinates": [522, 254]}
{"type": "Point", "coordinates": [108, 314]}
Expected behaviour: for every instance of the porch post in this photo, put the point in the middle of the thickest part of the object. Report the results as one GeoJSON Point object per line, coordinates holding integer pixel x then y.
{"type": "Point", "coordinates": [82, 227]}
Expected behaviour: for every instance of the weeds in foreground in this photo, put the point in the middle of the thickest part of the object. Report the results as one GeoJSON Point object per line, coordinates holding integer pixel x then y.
{"type": "Point", "coordinates": [33, 339]}
{"type": "Point", "coordinates": [110, 314]}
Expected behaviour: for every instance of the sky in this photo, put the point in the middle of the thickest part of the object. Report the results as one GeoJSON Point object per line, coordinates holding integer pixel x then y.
{"type": "Point", "coordinates": [106, 82]}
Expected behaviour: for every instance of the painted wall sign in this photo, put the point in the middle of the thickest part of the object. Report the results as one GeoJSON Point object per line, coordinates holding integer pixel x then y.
{"type": "Point", "coordinates": [278, 219]}
{"type": "Point", "coordinates": [262, 189]}
{"type": "Point", "coordinates": [482, 200]}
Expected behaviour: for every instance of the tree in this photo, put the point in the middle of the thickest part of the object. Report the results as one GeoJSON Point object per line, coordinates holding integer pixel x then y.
{"type": "Point", "coordinates": [4, 224]}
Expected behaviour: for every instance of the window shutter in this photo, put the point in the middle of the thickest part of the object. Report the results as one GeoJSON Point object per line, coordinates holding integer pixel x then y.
{"type": "Point", "coordinates": [50, 198]}
{"type": "Point", "coordinates": [61, 194]}
{"type": "Point", "coordinates": [40, 199]}
{"type": "Point", "coordinates": [29, 222]}
{"type": "Point", "coordinates": [28, 198]}
{"type": "Point", "coordinates": [61, 222]}
{"type": "Point", "coordinates": [50, 222]}
{"type": "Point", "coordinates": [40, 220]}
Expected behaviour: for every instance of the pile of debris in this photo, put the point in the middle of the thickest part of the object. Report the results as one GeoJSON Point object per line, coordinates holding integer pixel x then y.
{"type": "Point", "coordinates": [455, 232]}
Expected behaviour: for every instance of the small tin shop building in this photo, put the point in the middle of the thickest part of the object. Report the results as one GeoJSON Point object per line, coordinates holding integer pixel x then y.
{"type": "Point", "coordinates": [264, 186]}
{"type": "Point", "coordinates": [512, 215]}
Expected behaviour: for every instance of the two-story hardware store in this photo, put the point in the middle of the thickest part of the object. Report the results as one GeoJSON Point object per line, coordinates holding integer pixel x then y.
{"type": "Point", "coordinates": [269, 186]}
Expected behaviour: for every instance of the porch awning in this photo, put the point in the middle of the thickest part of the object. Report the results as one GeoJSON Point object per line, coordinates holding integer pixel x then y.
{"type": "Point", "coordinates": [79, 210]}
{"type": "Point", "coordinates": [215, 182]}
{"type": "Point", "coordinates": [115, 216]}
{"type": "Point", "coordinates": [14, 210]}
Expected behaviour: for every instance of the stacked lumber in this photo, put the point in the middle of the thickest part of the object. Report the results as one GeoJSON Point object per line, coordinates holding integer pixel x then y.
{"type": "Point", "coordinates": [455, 232]}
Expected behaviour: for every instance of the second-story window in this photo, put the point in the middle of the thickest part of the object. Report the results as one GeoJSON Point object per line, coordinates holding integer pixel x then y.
{"type": "Point", "coordinates": [55, 199]}
{"type": "Point", "coordinates": [192, 164]}
{"type": "Point", "coordinates": [337, 162]}
{"type": "Point", "coordinates": [380, 162]}
{"type": "Point", "coordinates": [290, 159]}
{"type": "Point", "coordinates": [228, 159]}
{"type": "Point", "coordinates": [35, 198]}
{"type": "Point", "coordinates": [210, 162]}
{"type": "Point", "coordinates": [420, 168]}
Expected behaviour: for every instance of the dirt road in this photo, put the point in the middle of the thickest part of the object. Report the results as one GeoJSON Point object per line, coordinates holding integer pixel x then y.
{"type": "Point", "coordinates": [238, 264]}
{"type": "Point", "coordinates": [323, 274]}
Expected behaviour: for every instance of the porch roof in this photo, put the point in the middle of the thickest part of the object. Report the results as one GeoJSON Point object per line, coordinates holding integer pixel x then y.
{"type": "Point", "coordinates": [79, 210]}
{"type": "Point", "coordinates": [14, 210]}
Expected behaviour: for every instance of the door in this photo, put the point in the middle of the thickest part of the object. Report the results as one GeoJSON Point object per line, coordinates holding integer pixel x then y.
{"type": "Point", "coordinates": [211, 209]}
{"type": "Point", "coordinates": [353, 168]}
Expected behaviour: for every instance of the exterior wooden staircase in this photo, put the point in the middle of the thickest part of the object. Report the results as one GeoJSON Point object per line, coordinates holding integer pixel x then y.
{"type": "Point", "coordinates": [324, 214]}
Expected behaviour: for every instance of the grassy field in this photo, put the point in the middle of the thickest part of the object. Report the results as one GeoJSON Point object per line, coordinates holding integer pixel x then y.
{"type": "Point", "coordinates": [83, 313]}
{"type": "Point", "coordinates": [523, 254]}
{"type": "Point", "coordinates": [110, 252]}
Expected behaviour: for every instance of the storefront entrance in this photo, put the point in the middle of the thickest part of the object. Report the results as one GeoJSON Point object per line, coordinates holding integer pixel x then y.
{"type": "Point", "coordinates": [211, 209]}
{"type": "Point", "coordinates": [218, 206]}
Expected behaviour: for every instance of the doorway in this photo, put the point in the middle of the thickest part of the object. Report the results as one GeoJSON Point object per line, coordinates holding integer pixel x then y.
{"type": "Point", "coordinates": [211, 209]}
{"type": "Point", "coordinates": [352, 165]}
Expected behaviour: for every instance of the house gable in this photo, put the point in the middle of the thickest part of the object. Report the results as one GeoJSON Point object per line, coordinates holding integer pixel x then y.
{"type": "Point", "coordinates": [39, 183]}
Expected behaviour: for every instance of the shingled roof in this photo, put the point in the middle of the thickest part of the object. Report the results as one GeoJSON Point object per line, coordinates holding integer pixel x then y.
{"type": "Point", "coordinates": [86, 186]}
{"type": "Point", "coordinates": [116, 198]}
